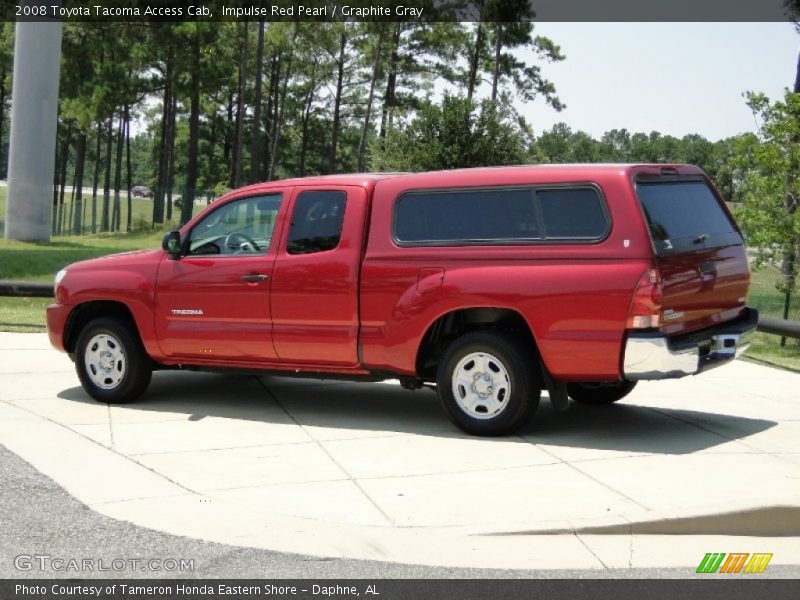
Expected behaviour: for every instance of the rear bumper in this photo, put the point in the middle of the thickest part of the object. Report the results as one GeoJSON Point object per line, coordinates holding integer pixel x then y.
{"type": "Point", "coordinates": [656, 356]}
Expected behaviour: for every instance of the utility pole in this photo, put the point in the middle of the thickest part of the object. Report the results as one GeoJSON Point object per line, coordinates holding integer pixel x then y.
{"type": "Point", "coordinates": [34, 114]}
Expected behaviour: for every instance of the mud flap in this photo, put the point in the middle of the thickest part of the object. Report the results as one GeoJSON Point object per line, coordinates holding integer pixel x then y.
{"type": "Point", "coordinates": [557, 390]}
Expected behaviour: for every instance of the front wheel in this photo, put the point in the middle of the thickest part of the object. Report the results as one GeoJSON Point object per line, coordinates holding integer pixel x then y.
{"type": "Point", "coordinates": [600, 392]}
{"type": "Point", "coordinates": [111, 362]}
{"type": "Point", "coordinates": [487, 383]}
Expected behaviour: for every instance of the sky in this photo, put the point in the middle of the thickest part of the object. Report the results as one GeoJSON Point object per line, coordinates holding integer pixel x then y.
{"type": "Point", "coordinates": [676, 78]}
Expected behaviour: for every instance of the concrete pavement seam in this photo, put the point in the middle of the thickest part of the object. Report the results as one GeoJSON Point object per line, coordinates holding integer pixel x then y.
{"type": "Point", "coordinates": [380, 510]}
{"type": "Point", "coordinates": [310, 441]}
{"type": "Point", "coordinates": [110, 427]}
{"type": "Point", "coordinates": [592, 552]}
{"type": "Point", "coordinates": [95, 442]}
{"type": "Point", "coordinates": [587, 475]}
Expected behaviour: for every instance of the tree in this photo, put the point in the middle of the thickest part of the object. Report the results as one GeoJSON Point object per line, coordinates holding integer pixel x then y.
{"type": "Point", "coordinates": [238, 140]}
{"type": "Point", "coordinates": [225, 103]}
{"type": "Point", "coordinates": [502, 27]}
{"type": "Point", "coordinates": [6, 64]}
{"type": "Point", "coordinates": [416, 55]}
{"type": "Point", "coordinates": [771, 189]}
{"type": "Point", "coordinates": [458, 133]}
{"type": "Point", "coordinates": [616, 145]}
{"type": "Point", "coordinates": [255, 142]}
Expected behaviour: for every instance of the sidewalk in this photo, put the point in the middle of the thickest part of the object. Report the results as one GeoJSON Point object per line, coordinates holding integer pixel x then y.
{"type": "Point", "coordinates": [377, 472]}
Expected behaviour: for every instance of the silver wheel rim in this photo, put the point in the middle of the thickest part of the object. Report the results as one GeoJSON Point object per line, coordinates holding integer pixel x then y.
{"type": "Point", "coordinates": [481, 385]}
{"type": "Point", "coordinates": [105, 361]}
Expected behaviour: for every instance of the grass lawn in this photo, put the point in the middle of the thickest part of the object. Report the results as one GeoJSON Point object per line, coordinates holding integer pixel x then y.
{"type": "Point", "coordinates": [766, 348]}
{"type": "Point", "coordinates": [40, 262]}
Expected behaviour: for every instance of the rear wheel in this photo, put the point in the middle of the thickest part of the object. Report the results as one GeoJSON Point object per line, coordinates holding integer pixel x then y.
{"type": "Point", "coordinates": [111, 362]}
{"type": "Point", "coordinates": [600, 392]}
{"type": "Point", "coordinates": [487, 383]}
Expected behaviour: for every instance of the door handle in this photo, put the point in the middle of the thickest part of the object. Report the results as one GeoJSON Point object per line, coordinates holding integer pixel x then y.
{"type": "Point", "coordinates": [254, 277]}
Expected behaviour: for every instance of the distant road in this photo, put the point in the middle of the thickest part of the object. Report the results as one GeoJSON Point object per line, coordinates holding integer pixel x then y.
{"type": "Point", "coordinates": [87, 191]}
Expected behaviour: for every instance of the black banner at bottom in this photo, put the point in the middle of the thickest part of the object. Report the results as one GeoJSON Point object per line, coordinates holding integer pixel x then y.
{"type": "Point", "coordinates": [400, 589]}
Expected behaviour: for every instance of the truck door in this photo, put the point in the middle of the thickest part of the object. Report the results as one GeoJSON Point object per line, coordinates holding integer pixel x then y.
{"type": "Point", "coordinates": [314, 295]}
{"type": "Point", "coordinates": [213, 303]}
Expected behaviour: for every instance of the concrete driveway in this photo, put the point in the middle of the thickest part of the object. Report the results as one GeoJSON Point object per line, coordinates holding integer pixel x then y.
{"type": "Point", "coordinates": [678, 469]}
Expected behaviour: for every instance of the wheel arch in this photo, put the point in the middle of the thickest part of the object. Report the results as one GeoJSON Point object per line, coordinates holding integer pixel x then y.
{"type": "Point", "coordinates": [455, 323]}
{"type": "Point", "coordinates": [93, 309]}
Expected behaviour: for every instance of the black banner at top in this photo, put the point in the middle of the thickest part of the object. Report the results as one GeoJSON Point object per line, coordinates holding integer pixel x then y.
{"type": "Point", "coordinates": [403, 10]}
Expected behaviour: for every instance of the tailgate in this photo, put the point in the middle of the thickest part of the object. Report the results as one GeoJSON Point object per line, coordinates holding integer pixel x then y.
{"type": "Point", "coordinates": [699, 253]}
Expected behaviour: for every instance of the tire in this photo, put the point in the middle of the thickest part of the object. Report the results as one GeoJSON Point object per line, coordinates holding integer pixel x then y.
{"type": "Point", "coordinates": [504, 385]}
{"type": "Point", "coordinates": [111, 362]}
{"type": "Point", "coordinates": [599, 392]}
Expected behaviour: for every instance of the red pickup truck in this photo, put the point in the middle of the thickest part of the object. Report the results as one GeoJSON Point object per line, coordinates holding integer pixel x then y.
{"type": "Point", "coordinates": [494, 284]}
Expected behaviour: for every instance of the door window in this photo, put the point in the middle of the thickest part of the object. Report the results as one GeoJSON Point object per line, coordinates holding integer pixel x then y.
{"type": "Point", "coordinates": [240, 227]}
{"type": "Point", "coordinates": [316, 222]}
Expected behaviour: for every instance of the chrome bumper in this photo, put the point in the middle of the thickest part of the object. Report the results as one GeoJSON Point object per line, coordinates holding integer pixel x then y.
{"type": "Point", "coordinates": [655, 356]}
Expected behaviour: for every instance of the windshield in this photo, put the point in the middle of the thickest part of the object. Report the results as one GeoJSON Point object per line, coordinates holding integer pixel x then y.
{"type": "Point", "coordinates": [684, 216]}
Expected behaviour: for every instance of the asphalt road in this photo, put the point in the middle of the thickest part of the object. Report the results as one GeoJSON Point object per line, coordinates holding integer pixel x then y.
{"type": "Point", "coordinates": [37, 517]}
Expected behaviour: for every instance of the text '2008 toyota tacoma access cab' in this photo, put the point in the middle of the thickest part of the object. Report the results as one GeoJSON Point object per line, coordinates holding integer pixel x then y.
{"type": "Point", "coordinates": [493, 283]}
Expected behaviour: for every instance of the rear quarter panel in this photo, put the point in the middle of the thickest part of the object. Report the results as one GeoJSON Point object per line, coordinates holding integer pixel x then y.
{"type": "Point", "coordinates": [574, 297]}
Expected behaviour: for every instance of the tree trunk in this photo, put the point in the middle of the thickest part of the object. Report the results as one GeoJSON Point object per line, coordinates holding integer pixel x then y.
{"type": "Point", "coordinates": [96, 175]}
{"type": "Point", "coordinates": [68, 215]}
{"type": "Point", "coordinates": [475, 59]}
{"type": "Point", "coordinates": [129, 224]}
{"type": "Point", "coordinates": [376, 63]}
{"type": "Point", "coordinates": [389, 98]}
{"type": "Point", "coordinates": [255, 143]}
{"type": "Point", "coordinates": [271, 112]}
{"type": "Point", "coordinates": [169, 92]}
{"type": "Point", "coordinates": [117, 212]}
{"type": "Point", "coordinates": [63, 179]}
{"type": "Point", "coordinates": [307, 104]}
{"type": "Point", "coordinates": [3, 167]}
{"type": "Point", "coordinates": [279, 113]}
{"type": "Point", "coordinates": [187, 202]}
{"type": "Point", "coordinates": [498, 46]}
{"type": "Point", "coordinates": [56, 179]}
{"type": "Point", "coordinates": [80, 159]}
{"type": "Point", "coordinates": [337, 103]}
{"type": "Point", "coordinates": [106, 221]}
{"type": "Point", "coordinates": [236, 170]}
{"type": "Point", "coordinates": [228, 142]}
{"type": "Point", "coordinates": [171, 156]}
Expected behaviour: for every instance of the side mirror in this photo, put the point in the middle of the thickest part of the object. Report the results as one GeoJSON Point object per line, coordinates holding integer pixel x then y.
{"type": "Point", "coordinates": [172, 244]}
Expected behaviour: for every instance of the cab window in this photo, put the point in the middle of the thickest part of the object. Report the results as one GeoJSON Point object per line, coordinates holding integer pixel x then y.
{"type": "Point", "coordinates": [316, 222]}
{"type": "Point", "coordinates": [241, 227]}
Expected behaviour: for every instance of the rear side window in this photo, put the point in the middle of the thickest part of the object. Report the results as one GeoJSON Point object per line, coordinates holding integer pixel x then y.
{"type": "Point", "coordinates": [572, 214]}
{"type": "Point", "coordinates": [316, 222]}
{"type": "Point", "coordinates": [685, 216]}
{"type": "Point", "coordinates": [498, 216]}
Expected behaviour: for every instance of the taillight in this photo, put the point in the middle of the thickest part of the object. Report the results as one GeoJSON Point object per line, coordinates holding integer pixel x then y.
{"type": "Point", "coordinates": [645, 311]}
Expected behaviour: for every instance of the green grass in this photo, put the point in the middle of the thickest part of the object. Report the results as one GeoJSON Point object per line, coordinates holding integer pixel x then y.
{"type": "Point", "coordinates": [40, 262]}
{"type": "Point", "coordinates": [766, 348]}
{"type": "Point", "coordinates": [23, 314]}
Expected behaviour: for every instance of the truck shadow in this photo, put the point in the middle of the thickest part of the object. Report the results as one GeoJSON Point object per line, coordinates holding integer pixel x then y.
{"type": "Point", "coordinates": [628, 426]}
